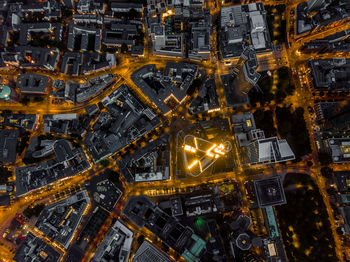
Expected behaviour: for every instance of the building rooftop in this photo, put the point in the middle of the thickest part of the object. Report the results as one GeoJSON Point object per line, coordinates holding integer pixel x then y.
{"type": "Point", "coordinates": [207, 99]}
{"type": "Point", "coordinates": [165, 89]}
{"type": "Point", "coordinates": [26, 121]}
{"type": "Point", "coordinates": [59, 221]}
{"type": "Point", "coordinates": [34, 57]}
{"type": "Point", "coordinates": [89, 36]}
{"type": "Point", "coordinates": [26, 29]}
{"type": "Point", "coordinates": [144, 213]}
{"type": "Point", "coordinates": [32, 83]}
{"type": "Point", "coordinates": [119, 34]}
{"type": "Point", "coordinates": [325, 14]}
{"type": "Point", "coordinates": [200, 39]}
{"type": "Point", "coordinates": [337, 42]}
{"type": "Point", "coordinates": [93, 87]}
{"type": "Point", "coordinates": [269, 150]}
{"type": "Point", "coordinates": [125, 6]}
{"type": "Point", "coordinates": [137, 50]}
{"type": "Point", "coordinates": [345, 212]}
{"type": "Point", "coordinates": [8, 144]}
{"type": "Point", "coordinates": [269, 192]}
{"type": "Point", "coordinates": [339, 149]}
{"type": "Point", "coordinates": [35, 249]}
{"type": "Point", "coordinates": [104, 192]}
{"type": "Point", "coordinates": [116, 244]}
{"type": "Point", "coordinates": [71, 63]}
{"type": "Point", "coordinates": [68, 162]}
{"type": "Point", "coordinates": [333, 116]}
{"type": "Point", "coordinates": [147, 252]}
{"type": "Point", "coordinates": [342, 180]}
{"type": "Point", "coordinates": [240, 23]}
{"type": "Point", "coordinates": [127, 119]}
{"type": "Point", "coordinates": [242, 124]}
{"type": "Point", "coordinates": [166, 44]}
{"type": "Point", "coordinates": [151, 163]}
{"type": "Point", "coordinates": [330, 74]}
{"type": "Point", "coordinates": [94, 62]}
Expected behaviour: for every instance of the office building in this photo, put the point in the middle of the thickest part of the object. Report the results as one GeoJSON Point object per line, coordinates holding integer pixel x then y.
{"type": "Point", "coordinates": [269, 192]}
{"type": "Point", "coordinates": [207, 100]}
{"type": "Point", "coordinates": [242, 23]}
{"type": "Point", "coordinates": [116, 244]}
{"type": "Point", "coordinates": [330, 74]}
{"type": "Point", "coordinates": [338, 149]}
{"type": "Point", "coordinates": [167, 89]}
{"type": "Point", "coordinates": [148, 252]}
{"type": "Point", "coordinates": [8, 144]}
{"type": "Point", "coordinates": [25, 121]}
{"type": "Point", "coordinates": [269, 150]}
{"type": "Point", "coordinates": [35, 249]}
{"type": "Point", "coordinates": [126, 119]}
{"type": "Point", "coordinates": [151, 163]}
{"type": "Point", "coordinates": [313, 5]}
{"type": "Point", "coordinates": [32, 83]}
{"type": "Point", "coordinates": [60, 220]}
{"type": "Point", "coordinates": [68, 162]}
{"type": "Point", "coordinates": [144, 213]}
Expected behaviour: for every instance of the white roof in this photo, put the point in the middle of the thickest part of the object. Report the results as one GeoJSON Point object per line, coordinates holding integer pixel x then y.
{"type": "Point", "coordinates": [258, 40]}
{"type": "Point", "coordinates": [285, 149]}
{"type": "Point", "coordinates": [265, 149]}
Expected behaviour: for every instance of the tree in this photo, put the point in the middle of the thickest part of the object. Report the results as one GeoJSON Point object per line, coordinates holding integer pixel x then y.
{"type": "Point", "coordinates": [331, 191]}
{"type": "Point", "coordinates": [25, 100]}
{"type": "Point", "coordinates": [104, 162]}
{"type": "Point", "coordinates": [38, 99]}
{"type": "Point", "coordinates": [113, 176]}
{"type": "Point", "coordinates": [140, 239]}
{"type": "Point", "coordinates": [124, 48]}
{"type": "Point", "coordinates": [5, 174]}
{"type": "Point", "coordinates": [132, 14]}
{"type": "Point", "coordinates": [324, 158]}
{"type": "Point", "coordinates": [33, 211]}
{"type": "Point", "coordinates": [165, 247]}
{"type": "Point", "coordinates": [327, 172]}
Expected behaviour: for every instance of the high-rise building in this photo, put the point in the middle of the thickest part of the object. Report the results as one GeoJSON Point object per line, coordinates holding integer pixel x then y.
{"type": "Point", "coordinates": [269, 150]}
{"type": "Point", "coordinates": [244, 72]}
{"type": "Point", "coordinates": [148, 253]}
{"type": "Point", "coordinates": [313, 5]}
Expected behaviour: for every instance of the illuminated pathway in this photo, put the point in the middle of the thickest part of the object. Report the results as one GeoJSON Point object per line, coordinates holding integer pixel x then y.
{"type": "Point", "coordinates": [292, 57]}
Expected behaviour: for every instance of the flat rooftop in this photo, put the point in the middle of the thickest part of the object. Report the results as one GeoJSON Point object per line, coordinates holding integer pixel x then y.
{"type": "Point", "coordinates": [269, 192]}
{"type": "Point", "coordinates": [59, 221]}
{"type": "Point", "coordinates": [150, 163]}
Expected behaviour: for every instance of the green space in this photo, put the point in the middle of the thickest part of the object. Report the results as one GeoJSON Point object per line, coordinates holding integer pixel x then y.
{"type": "Point", "coordinates": [292, 127]}
{"type": "Point", "coordinates": [303, 221]}
{"type": "Point", "coordinates": [23, 140]}
{"type": "Point", "coordinates": [284, 87]}
{"type": "Point", "coordinates": [5, 174]}
{"type": "Point", "coordinates": [273, 11]}
{"type": "Point", "coordinates": [33, 211]}
{"type": "Point", "coordinates": [264, 121]}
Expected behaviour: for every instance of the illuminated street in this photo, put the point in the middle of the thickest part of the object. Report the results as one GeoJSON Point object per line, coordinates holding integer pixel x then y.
{"type": "Point", "coordinates": [194, 127]}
